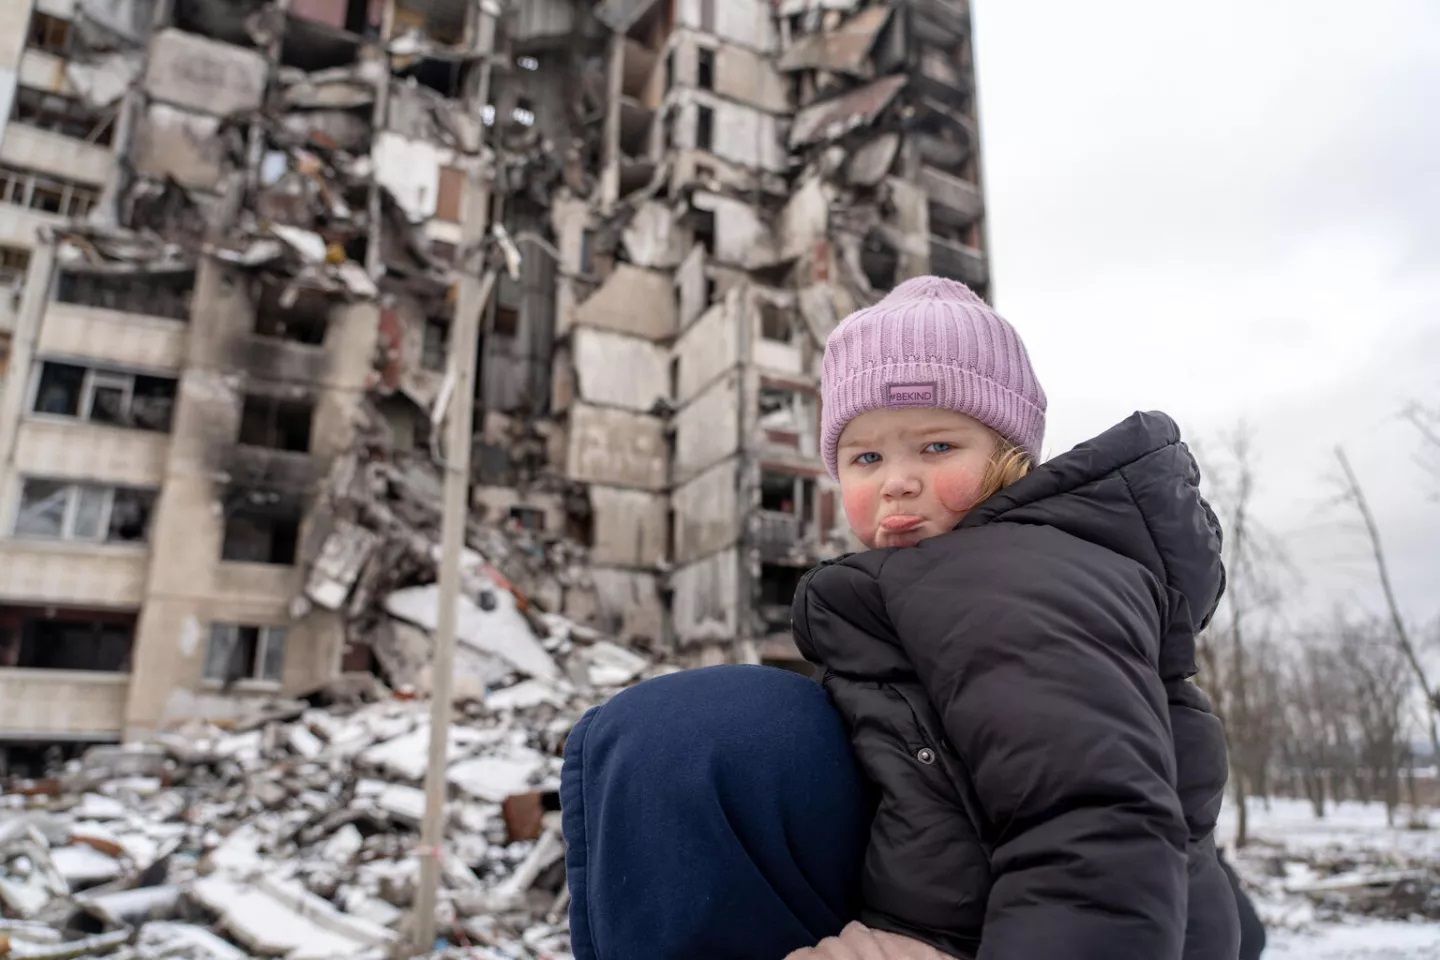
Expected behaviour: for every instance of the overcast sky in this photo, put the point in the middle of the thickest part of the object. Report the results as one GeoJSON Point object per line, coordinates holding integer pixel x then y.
{"type": "Point", "coordinates": [1231, 211]}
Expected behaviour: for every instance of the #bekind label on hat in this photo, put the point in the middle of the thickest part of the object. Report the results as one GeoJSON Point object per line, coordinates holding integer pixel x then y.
{"type": "Point", "coordinates": [911, 395]}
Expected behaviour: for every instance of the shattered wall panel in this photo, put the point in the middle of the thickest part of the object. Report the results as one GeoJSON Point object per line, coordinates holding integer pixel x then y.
{"type": "Point", "coordinates": [843, 50]}
{"type": "Point", "coordinates": [613, 305]}
{"type": "Point", "coordinates": [631, 602]}
{"type": "Point", "coordinates": [182, 145]}
{"type": "Point", "coordinates": [691, 287]}
{"type": "Point", "coordinates": [833, 118]}
{"type": "Point", "coordinates": [742, 238]}
{"type": "Point", "coordinates": [707, 429]}
{"type": "Point", "coordinates": [616, 447]}
{"type": "Point", "coordinates": [740, 134]}
{"type": "Point", "coordinates": [707, 349]}
{"type": "Point", "coordinates": [629, 527]}
{"type": "Point", "coordinates": [616, 369]}
{"type": "Point", "coordinates": [705, 607]}
{"type": "Point", "coordinates": [410, 171]}
{"type": "Point", "coordinates": [805, 219]}
{"type": "Point", "coordinates": [653, 237]}
{"type": "Point", "coordinates": [199, 74]}
{"type": "Point", "coordinates": [707, 513]}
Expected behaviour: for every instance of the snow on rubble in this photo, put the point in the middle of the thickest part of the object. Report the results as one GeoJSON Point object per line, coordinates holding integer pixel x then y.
{"type": "Point", "coordinates": [293, 832]}
{"type": "Point", "coordinates": [1346, 887]}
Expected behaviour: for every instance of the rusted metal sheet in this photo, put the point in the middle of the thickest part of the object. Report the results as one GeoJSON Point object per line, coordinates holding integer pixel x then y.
{"type": "Point", "coordinates": [834, 118]}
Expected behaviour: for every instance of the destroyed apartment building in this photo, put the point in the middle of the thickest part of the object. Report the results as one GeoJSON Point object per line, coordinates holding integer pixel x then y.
{"type": "Point", "coordinates": [233, 236]}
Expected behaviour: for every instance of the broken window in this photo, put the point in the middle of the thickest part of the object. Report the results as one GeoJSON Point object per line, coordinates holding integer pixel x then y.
{"type": "Point", "coordinates": [60, 114]}
{"type": "Point", "coordinates": [304, 320]}
{"type": "Point", "coordinates": [157, 294]}
{"type": "Point", "coordinates": [432, 351]}
{"type": "Point", "coordinates": [244, 652]}
{"type": "Point", "coordinates": [262, 532]}
{"type": "Point", "coordinates": [105, 396]}
{"type": "Point", "coordinates": [528, 518]}
{"type": "Point", "coordinates": [705, 72]}
{"type": "Point", "coordinates": [62, 510]}
{"type": "Point", "coordinates": [704, 128]}
{"type": "Point", "coordinates": [445, 77]}
{"type": "Point", "coordinates": [705, 234]}
{"type": "Point", "coordinates": [57, 638]}
{"type": "Point", "coordinates": [277, 423]}
{"type": "Point", "coordinates": [781, 411]}
{"type": "Point", "coordinates": [48, 194]}
{"type": "Point", "coordinates": [48, 33]}
{"type": "Point", "coordinates": [506, 322]}
{"type": "Point", "coordinates": [775, 322]}
{"type": "Point", "coordinates": [14, 264]}
{"type": "Point", "coordinates": [779, 492]}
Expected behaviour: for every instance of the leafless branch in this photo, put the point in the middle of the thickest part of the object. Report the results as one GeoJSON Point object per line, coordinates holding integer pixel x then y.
{"type": "Point", "coordinates": [1356, 495]}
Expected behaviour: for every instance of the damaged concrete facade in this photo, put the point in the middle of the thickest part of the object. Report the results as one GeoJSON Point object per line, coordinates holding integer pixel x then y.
{"type": "Point", "coordinates": [760, 169]}
{"type": "Point", "coordinates": [258, 280]}
{"type": "Point", "coordinates": [230, 359]}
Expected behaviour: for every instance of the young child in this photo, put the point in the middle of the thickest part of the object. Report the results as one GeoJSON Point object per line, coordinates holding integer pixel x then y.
{"type": "Point", "coordinates": [1014, 680]}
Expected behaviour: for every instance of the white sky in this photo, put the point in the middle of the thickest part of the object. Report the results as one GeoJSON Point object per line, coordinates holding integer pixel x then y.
{"type": "Point", "coordinates": [1231, 211]}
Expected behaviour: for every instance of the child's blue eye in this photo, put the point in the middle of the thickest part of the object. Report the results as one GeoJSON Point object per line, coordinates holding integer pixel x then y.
{"type": "Point", "coordinates": [864, 458]}
{"type": "Point", "coordinates": [939, 446]}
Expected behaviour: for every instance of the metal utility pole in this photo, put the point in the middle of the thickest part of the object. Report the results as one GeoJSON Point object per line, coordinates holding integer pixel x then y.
{"type": "Point", "coordinates": [472, 300]}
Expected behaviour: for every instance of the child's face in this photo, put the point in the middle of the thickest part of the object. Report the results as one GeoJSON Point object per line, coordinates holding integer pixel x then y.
{"type": "Point", "coordinates": [909, 474]}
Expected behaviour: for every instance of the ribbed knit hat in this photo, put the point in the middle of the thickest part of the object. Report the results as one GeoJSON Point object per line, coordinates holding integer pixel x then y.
{"type": "Point", "coordinates": [931, 343]}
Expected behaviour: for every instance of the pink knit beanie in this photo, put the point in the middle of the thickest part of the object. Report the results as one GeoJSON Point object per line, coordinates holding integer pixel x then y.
{"type": "Point", "coordinates": [931, 343]}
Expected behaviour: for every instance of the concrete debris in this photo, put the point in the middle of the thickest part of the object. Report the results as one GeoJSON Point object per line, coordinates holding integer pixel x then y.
{"type": "Point", "coordinates": [298, 837]}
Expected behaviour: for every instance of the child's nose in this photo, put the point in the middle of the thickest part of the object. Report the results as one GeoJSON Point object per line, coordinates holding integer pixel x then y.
{"type": "Point", "coordinates": [900, 483]}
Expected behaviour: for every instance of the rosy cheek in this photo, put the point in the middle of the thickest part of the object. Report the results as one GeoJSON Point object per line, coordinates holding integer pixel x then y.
{"type": "Point", "coordinates": [957, 489]}
{"type": "Point", "coordinates": [859, 500]}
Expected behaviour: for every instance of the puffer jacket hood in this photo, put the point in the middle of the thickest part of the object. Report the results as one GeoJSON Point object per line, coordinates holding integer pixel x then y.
{"type": "Point", "coordinates": [1134, 490]}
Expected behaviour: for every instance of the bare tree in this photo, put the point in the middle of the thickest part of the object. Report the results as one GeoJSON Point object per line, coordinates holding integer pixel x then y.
{"type": "Point", "coordinates": [1379, 685]}
{"type": "Point", "coordinates": [1315, 742]}
{"type": "Point", "coordinates": [1400, 632]}
{"type": "Point", "coordinates": [1231, 650]}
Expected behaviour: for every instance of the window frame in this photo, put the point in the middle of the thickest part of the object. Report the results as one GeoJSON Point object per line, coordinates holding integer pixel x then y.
{"type": "Point", "coordinates": [18, 186]}
{"type": "Point", "coordinates": [85, 403]}
{"type": "Point", "coordinates": [74, 490]}
{"type": "Point", "coordinates": [255, 677]}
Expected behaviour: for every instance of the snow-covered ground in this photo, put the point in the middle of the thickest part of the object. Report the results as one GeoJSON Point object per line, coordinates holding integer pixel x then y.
{"type": "Point", "coordinates": [1290, 849]}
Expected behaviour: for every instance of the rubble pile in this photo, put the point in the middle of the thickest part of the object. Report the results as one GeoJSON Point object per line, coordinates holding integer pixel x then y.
{"type": "Point", "coordinates": [1350, 883]}
{"type": "Point", "coordinates": [294, 831]}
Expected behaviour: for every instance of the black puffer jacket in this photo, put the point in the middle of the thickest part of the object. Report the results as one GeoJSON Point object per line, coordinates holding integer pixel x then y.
{"type": "Point", "coordinates": [1018, 690]}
